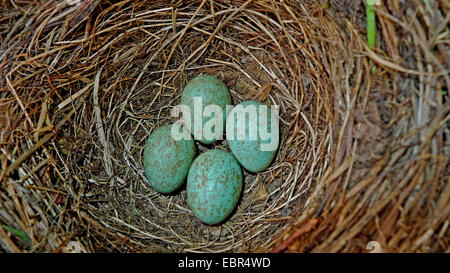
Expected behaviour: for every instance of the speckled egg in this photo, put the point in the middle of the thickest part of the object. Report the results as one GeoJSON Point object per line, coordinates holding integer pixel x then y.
{"type": "Point", "coordinates": [214, 184]}
{"type": "Point", "coordinates": [212, 91]}
{"type": "Point", "coordinates": [167, 161]}
{"type": "Point", "coordinates": [249, 149]}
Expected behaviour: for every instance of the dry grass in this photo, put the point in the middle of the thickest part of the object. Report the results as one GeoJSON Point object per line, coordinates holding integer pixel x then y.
{"type": "Point", "coordinates": [363, 154]}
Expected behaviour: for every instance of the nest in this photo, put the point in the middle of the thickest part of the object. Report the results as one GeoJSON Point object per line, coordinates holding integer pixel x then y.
{"type": "Point", "coordinates": [364, 145]}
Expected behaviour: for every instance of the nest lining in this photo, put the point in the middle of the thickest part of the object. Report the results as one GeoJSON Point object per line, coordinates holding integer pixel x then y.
{"type": "Point", "coordinates": [134, 112]}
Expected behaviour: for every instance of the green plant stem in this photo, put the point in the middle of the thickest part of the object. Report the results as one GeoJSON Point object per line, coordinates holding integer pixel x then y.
{"type": "Point", "coordinates": [17, 233]}
{"type": "Point", "coordinates": [371, 26]}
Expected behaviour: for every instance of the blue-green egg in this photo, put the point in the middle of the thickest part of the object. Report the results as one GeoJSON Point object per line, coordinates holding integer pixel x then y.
{"type": "Point", "coordinates": [214, 185]}
{"type": "Point", "coordinates": [166, 160]}
{"type": "Point", "coordinates": [256, 149]}
{"type": "Point", "coordinates": [212, 91]}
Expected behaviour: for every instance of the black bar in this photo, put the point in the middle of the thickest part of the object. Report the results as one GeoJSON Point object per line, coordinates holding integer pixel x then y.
{"type": "Point", "coordinates": [165, 263]}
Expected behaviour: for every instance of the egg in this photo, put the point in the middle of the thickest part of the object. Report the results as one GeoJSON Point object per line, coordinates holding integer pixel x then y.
{"type": "Point", "coordinates": [167, 161]}
{"type": "Point", "coordinates": [254, 152]}
{"type": "Point", "coordinates": [214, 185]}
{"type": "Point", "coordinates": [211, 91]}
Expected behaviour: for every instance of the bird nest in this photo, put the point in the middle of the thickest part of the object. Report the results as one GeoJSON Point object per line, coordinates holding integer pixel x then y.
{"type": "Point", "coordinates": [364, 146]}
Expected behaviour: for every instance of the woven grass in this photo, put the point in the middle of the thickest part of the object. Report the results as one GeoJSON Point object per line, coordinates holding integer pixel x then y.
{"type": "Point", "coordinates": [364, 144]}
